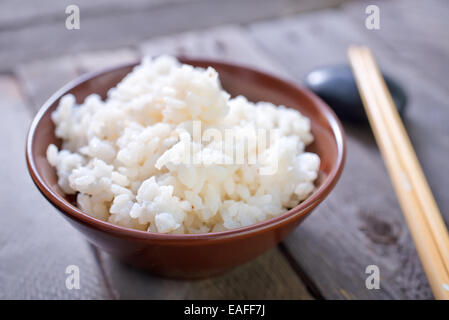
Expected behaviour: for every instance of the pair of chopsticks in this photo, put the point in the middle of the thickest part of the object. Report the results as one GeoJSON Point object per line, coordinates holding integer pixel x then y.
{"type": "Point", "coordinates": [415, 197]}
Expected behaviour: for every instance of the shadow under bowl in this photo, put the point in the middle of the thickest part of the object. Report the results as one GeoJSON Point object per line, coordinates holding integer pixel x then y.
{"type": "Point", "coordinates": [192, 255]}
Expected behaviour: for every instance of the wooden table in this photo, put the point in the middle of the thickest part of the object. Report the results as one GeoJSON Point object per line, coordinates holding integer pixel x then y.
{"type": "Point", "coordinates": [360, 223]}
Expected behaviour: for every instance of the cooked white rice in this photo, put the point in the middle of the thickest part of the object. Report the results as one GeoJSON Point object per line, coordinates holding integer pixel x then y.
{"type": "Point", "coordinates": [122, 156]}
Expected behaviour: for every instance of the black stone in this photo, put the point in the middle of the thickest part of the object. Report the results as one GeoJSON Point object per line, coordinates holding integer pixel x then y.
{"type": "Point", "coordinates": [337, 87]}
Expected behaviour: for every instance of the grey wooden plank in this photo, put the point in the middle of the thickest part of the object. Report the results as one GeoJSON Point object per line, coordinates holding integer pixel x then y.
{"type": "Point", "coordinates": [17, 14]}
{"type": "Point", "coordinates": [36, 243]}
{"type": "Point", "coordinates": [418, 31]}
{"type": "Point", "coordinates": [267, 277]}
{"type": "Point", "coordinates": [98, 60]}
{"type": "Point", "coordinates": [106, 26]}
{"type": "Point", "coordinates": [417, 37]}
{"type": "Point", "coordinates": [41, 78]}
{"type": "Point", "coordinates": [361, 223]}
{"type": "Point", "coordinates": [226, 43]}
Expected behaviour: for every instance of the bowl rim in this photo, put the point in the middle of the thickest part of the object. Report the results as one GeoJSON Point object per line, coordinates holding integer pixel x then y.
{"type": "Point", "coordinates": [301, 209]}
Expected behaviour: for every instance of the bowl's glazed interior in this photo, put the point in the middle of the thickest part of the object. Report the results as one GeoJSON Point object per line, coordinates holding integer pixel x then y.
{"type": "Point", "coordinates": [213, 252]}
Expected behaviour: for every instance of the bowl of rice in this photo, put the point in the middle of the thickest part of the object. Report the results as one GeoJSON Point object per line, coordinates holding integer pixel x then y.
{"type": "Point", "coordinates": [186, 167]}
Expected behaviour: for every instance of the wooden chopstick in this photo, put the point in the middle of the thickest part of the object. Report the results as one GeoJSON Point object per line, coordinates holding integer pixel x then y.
{"type": "Point", "coordinates": [415, 197]}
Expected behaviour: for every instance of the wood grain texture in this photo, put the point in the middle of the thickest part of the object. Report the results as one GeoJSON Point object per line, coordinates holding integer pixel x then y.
{"type": "Point", "coordinates": [100, 60]}
{"type": "Point", "coordinates": [36, 244]}
{"type": "Point", "coordinates": [418, 32]}
{"type": "Point", "coordinates": [19, 14]}
{"type": "Point", "coordinates": [39, 86]}
{"type": "Point", "coordinates": [227, 43]}
{"type": "Point", "coordinates": [109, 24]}
{"type": "Point", "coordinates": [361, 223]}
{"type": "Point", "coordinates": [267, 277]}
{"type": "Point", "coordinates": [41, 78]}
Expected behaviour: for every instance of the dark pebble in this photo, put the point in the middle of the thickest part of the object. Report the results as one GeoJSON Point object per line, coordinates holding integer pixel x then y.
{"type": "Point", "coordinates": [337, 87]}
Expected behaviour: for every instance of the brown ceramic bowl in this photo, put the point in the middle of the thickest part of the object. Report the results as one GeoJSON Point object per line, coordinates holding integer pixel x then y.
{"type": "Point", "coordinates": [192, 255]}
